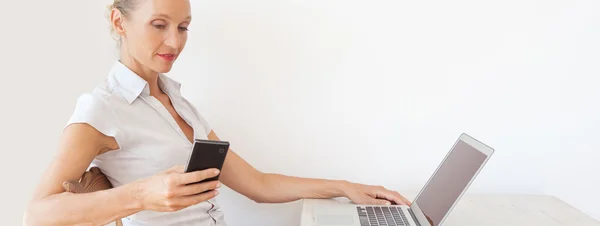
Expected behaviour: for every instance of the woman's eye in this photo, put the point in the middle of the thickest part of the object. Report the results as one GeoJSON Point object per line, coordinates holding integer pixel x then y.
{"type": "Point", "coordinates": [159, 26]}
{"type": "Point", "coordinates": [183, 28]}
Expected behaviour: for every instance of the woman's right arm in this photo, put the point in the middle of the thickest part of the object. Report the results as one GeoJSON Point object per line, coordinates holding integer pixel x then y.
{"type": "Point", "coordinates": [50, 205]}
{"type": "Point", "coordinates": [79, 144]}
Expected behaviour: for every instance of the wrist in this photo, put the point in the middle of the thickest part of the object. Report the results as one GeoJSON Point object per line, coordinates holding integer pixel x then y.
{"type": "Point", "coordinates": [342, 187]}
{"type": "Point", "coordinates": [133, 196]}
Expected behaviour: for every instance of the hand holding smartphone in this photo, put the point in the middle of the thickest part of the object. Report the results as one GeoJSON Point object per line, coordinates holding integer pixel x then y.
{"type": "Point", "coordinates": [207, 154]}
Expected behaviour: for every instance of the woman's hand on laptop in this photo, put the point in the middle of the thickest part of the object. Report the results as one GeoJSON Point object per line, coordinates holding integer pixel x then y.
{"type": "Point", "coordinates": [373, 195]}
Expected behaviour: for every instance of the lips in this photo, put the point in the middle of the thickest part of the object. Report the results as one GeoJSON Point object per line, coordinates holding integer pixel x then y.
{"type": "Point", "coordinates": [167, 57]}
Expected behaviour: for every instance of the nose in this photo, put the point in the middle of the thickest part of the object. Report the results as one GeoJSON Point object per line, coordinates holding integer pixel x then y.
{"type": "Point", "coordinates": [174, 39]}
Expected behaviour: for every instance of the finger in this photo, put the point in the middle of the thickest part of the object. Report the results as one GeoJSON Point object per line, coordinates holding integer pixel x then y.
{"type": "Point", "coordinates": [194, 189]}
{"type": "Point", "coordinates": [196, 176]}
{"type": "Point", "coordinates": [392, 196]}
{"type": "Point", "coordinates": [375, 201]}
{"type": "Point", "coordinates": [195, 199]}
{"type": "Point", "coordinates": [176, 169]}
{"type": "Point", "coordinates": [401, 197]}
{"type": "Point", "coordinates": [404, 198]}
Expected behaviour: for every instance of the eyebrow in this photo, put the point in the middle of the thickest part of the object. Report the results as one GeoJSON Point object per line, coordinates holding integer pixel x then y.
{"type": "Point", "coordinates": [168, 17]}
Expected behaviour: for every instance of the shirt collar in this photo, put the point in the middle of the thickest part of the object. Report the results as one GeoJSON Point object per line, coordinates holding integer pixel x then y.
{"type": "Point", "coordinates": [132, 85]}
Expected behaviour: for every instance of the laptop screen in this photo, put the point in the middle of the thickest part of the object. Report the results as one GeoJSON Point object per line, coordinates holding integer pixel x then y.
{"type": "Point", "coordinates": [452, 177]}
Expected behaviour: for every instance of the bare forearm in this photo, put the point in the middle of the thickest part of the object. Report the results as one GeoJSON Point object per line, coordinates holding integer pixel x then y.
{"type": "Point", "coordinates": [95, 208]}
{"type": "Point", "coordinates": [280, 188]}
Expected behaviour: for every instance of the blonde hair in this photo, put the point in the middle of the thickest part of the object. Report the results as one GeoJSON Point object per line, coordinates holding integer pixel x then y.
{"type": "Point", "coordinates": [126, 7]}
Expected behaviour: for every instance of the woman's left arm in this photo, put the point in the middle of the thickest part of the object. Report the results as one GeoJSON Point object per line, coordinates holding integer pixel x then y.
{"type": "Point", "coordinates": [240, 176]}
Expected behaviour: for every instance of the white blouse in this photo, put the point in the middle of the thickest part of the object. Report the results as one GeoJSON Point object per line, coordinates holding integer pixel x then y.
{"type": "Point", "coordinates": [150, 140]}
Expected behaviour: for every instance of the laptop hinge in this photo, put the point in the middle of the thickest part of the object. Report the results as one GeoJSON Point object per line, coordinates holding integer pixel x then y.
{"type": "Point", "coordinates": [413, 217]}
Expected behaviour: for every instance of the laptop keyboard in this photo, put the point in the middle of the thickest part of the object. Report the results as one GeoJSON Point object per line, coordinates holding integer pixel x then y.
{"type": "Point", "coordinates": [382, 216]}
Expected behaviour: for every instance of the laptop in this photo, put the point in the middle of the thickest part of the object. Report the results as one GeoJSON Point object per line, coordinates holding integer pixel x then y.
{"type": "Point", "coordinates": [432, 205]}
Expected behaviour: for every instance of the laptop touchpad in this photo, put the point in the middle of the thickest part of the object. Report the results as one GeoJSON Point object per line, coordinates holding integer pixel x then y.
{"type": "Point", "coordinates": [335, 219]}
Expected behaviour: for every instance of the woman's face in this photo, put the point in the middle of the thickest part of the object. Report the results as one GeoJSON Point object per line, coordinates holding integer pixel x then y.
{"type": "Point", "coordinates": [156, 32]}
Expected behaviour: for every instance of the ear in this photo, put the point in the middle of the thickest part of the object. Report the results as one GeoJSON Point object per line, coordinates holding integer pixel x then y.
{"type": "Point", "coordinates": [116, 20]}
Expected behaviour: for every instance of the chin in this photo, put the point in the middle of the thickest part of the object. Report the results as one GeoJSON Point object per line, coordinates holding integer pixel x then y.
{"type": "Point", "coordinates": [163, 68]}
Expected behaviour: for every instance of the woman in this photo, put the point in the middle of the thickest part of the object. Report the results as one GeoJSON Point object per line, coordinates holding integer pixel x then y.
{"type": "Point", "coordinates": [139, 130]}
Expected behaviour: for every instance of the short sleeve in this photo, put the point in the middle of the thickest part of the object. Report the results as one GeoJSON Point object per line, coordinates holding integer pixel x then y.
{"type": "Point", "coordinates": [95, 112]}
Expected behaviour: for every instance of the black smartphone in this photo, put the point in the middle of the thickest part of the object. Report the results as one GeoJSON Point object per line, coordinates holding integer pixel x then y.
{"type": "Point", "coordinates": [207, 154]}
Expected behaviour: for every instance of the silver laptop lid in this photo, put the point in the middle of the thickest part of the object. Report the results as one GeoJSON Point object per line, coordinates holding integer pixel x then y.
{"type": "Point", "coordinates": [450, 180]}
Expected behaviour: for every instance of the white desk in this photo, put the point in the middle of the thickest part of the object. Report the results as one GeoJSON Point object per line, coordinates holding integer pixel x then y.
{"type": "Point", "coordinates": [495, 210]}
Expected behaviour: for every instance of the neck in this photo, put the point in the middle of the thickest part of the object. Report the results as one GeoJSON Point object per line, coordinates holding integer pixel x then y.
{"type": "Point", "coordinates": [150, 76]}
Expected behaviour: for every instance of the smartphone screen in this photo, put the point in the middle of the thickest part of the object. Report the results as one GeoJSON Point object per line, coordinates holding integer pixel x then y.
{"type": "Point", "coordinates": [207, 154]}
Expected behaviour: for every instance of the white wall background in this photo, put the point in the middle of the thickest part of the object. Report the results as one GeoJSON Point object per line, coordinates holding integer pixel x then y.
{"type": "Point", "coordinates": [373, 92]}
